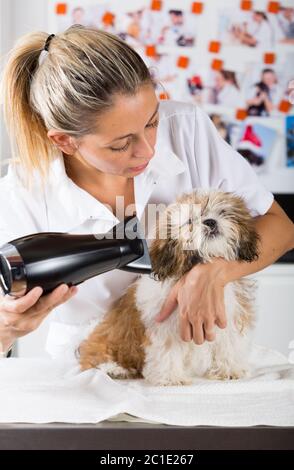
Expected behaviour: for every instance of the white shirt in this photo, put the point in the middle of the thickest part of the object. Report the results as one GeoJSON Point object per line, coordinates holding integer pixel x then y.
{"type": "Point", "coordinates": [263, 34]}
{"type": "Point", "coordinates": [230, 96]}
{"type": "Point", "coordinates": [189, 154]}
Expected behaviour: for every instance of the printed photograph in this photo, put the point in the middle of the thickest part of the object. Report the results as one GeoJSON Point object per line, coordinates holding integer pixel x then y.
{"type": "Point", "coordinates": [290, 140]}
{"type": "Point", "coordinates": [255, 144]}
{"type": "Point", "coordinates": [246, 28]}
{"type": "Point", "coordinates": [283, 24]}
{"type": "Point", "coordinates": [264, 86]}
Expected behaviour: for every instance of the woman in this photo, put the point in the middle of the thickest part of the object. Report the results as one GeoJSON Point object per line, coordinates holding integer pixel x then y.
{"type": "Point", "coordinates": [86, 127]}
{"type": "Point", "coordinates": [257, 33]}
{"type": "Point", "coordinates": [266, 95]}
{"type": "Point", "coordinates": [226, 91]}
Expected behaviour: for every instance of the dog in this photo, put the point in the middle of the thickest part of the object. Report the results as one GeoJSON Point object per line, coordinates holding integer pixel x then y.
{"type": "Point", "coordinates": [129, 343]}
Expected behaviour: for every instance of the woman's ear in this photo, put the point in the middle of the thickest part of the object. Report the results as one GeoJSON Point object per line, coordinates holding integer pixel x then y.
{"type": "Point", "coordinates": [64, 142]}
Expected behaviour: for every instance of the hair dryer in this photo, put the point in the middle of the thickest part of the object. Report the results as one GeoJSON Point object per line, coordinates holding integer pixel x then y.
{"type": "Point", "coordinates": [52, 258]}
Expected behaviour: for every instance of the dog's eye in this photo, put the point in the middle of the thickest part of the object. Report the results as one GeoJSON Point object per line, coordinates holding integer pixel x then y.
{"type": "Point", "coordinates": [222, 212]}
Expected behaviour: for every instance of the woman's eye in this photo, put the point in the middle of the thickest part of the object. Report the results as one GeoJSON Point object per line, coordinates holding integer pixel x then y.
{"type": "Point", "coordinates": [121, 149]}
{"type": "Point", "coordinates": [153, 124]}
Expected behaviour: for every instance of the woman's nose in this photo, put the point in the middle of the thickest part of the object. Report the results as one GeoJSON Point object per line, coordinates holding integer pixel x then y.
{"type": "Point", "coordinates": [143, 149]}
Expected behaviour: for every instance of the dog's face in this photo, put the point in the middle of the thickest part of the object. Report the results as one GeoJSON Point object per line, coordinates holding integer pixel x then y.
{"type": "Point", "coordinates": [199, 227]}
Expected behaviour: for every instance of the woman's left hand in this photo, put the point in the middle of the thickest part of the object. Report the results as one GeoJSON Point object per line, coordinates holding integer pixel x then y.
{"type": "Point", "coordinates": [199, 294]}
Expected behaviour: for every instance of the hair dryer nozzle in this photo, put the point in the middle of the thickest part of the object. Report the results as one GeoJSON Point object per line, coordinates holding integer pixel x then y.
{"type": "Point", "coordinates": [130, 229]}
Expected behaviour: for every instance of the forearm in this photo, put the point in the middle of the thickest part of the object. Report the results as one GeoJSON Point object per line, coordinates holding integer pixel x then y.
{"type": "Point", "coordinates": [276, 238]}
{"type": "Point", "coordinates": [269, 106]}
{"type": "Point", "coordinates": [248, 39]}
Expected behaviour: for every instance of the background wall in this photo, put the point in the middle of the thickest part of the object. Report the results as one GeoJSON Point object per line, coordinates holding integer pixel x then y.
{"type": "Point", "coordinates": [21, 16]}
{"type": "Point", "coordinates": [17, 17]}
{"type": "Point", "coordinates": [178, 40]}
{"type": "Point", "coordinates": [5, 44]}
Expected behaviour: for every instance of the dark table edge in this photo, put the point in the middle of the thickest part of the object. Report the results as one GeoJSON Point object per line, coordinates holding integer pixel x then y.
{"type": "Point", "coordinates": [143, 436]}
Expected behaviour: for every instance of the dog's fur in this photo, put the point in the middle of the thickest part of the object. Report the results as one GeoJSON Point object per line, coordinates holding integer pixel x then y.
{"type": "Point", "coordinates": [129, 343]}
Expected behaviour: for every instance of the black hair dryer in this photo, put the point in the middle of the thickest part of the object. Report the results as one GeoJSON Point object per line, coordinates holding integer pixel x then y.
{"type": "Point", "coordinates": [53, 258]}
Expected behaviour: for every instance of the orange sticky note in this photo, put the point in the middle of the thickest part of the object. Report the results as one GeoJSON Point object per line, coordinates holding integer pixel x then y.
{"type": "Point", "coordinates": [269, 58]}
{"type": "Point", "coordinates": [285, 106]}
{"type": "Point", "coordinates": [108, 18]}
{"type": "Point", "coordinates": [246, 5]}
{"type": "Point", "coordinates": [241, 114]}
{"type": "Point", "coordinates": [273, 7]}
{"type": "Point", "coordinates": [183, 62]}
{"type": "Point", "coordinates": [156, 5]}
{"type": "Point", "coordinates": [61, 8]}
{"type": "Point", "coordinates": [197, 8]}
{"type": "Point", "coordinates": [214, 46]}
{"type": "Point", "coordinates": [150, 50]}
{"type": "Point", "coordinates": [217, 64]}
{"type": "Point", "coordinates": [164, 96]}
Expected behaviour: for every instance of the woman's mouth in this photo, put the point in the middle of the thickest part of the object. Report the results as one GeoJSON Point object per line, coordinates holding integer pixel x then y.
{"type": "Point", "coordinates": [139, 168]}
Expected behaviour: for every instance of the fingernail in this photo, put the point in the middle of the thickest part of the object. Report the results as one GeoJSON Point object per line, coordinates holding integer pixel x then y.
{"type": "Point", "coordinates": [38, 291]}
{"type": "Point", "coordinates": [63, 289]}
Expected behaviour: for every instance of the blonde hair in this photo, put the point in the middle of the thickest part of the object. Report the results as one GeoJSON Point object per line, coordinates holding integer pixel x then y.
{"type": "Point", "coordinates": [65, 88]}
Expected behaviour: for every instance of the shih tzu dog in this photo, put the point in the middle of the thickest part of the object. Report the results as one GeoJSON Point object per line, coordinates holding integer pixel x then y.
{"type": "Point", "coordinates": [129, 343]}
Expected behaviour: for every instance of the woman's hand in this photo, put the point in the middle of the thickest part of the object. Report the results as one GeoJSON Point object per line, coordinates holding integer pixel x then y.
{"type": "Point", "coordinates": [21, 316]}
{"type": "Point", "coordinates": [199, 294]}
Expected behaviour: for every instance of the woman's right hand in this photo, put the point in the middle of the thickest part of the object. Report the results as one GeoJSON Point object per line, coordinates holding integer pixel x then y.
{"type": "Point", "coordinates": [20, 316]}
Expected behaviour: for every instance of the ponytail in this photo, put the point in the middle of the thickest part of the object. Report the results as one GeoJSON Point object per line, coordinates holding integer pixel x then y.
{"type": "Point", "coordinates": [28, 135]}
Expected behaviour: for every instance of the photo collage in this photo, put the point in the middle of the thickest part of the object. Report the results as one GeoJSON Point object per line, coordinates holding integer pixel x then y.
{"type": "Point", "coordinates": [234, 58]}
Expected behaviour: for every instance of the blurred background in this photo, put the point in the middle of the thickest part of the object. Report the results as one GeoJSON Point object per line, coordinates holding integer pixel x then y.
{"type": "Point", "coordinates": [236, 60]}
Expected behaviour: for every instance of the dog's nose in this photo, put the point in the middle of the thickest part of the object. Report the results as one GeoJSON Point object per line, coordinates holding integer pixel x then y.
{"type": "Point", "coordinates": [212, 224]}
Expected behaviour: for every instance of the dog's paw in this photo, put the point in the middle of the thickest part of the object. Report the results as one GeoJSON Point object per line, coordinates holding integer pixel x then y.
{"type": "Point", "coordinates": [170, 381]}
{"type": "Point", "coordinates": [239, 374]}
{"type": "Point", "coordinates": [114, 370]}
{"type": "Point", "coordinates": [227, 374]}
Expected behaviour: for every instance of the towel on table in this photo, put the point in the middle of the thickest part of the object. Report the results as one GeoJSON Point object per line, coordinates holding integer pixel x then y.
{"type": "Point", "coordinates": [45, 390]}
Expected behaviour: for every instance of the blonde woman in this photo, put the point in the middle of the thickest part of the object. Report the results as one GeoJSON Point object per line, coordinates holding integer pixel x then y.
{"type": "Point", "coordinates": [86, 127]}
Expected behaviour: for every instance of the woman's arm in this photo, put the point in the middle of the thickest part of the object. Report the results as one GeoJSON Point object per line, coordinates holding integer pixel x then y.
{"type": "Point", "coordinates": [276, 233]}
{"type": "Point", "coordinates": [199, 294]}
{"type": "Point", "coordinates": [244, 37]}
{"type": "Point", "coordinates": [269, 105]}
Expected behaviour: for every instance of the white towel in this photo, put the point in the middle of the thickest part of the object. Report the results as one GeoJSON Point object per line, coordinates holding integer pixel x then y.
{"type": "Point", "coordinates": [44, 391]}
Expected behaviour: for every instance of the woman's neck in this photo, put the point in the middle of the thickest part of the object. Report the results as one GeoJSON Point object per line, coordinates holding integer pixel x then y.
{"type": "Point", "coordinates": [102, 186]}
{"type": "Point", "coordinates": [87, 177]}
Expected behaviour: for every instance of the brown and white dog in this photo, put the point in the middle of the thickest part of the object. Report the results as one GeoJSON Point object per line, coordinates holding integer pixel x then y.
{"type": "Point", "coordinates": [129, 343]}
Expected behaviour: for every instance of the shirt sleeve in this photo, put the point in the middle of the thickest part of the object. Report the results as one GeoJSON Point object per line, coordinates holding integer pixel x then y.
{"type": "Point", "coordinates": [20, 212]}
{"type": "Point", "coordinates": [221, 167]}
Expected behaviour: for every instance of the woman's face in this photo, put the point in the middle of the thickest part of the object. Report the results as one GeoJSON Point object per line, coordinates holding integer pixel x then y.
{"type": "Point", "coordinates": [257, 18]}
{"type": "Point", "coordinates": [269, 78]}
{"type": "Point", "coordinates": [219, 80]}
{"type": "Point", "coordinates": [126, 135]}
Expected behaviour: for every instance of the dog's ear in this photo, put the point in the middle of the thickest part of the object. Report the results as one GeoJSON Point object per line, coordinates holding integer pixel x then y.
{"type": "Point", "coordinates": [248, 249]}
{"type": "Point", "coordinates": [191, 259]}
{"type": "Point", "coordinates": [163, 254]}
